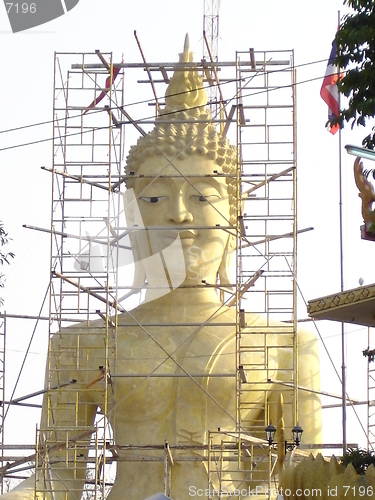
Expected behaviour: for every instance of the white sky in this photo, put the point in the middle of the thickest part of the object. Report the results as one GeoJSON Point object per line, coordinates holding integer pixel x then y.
{"type": "Point", "coordinates": [26, 87]}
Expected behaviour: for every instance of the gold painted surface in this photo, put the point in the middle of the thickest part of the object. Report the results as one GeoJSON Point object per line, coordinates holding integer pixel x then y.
{"type": "Point", "coordinates": [351, 306]}
{"type": "Point", "coordinates": [319, 478]}
{"type": "Point", "coordinates": [341, 299]}
{"type": "Point", "coordinates": [152, 396]}
{"type": "Point", "coordinates": [366, 191]}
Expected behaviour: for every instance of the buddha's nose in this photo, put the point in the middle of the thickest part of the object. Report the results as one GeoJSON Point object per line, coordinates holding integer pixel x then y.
{"type": "Point", "coordinates": [179, 211]}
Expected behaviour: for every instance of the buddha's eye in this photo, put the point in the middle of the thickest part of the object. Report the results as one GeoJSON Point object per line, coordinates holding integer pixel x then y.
{"type": "Point", "coordinates": [153, 199]}
{"type": "Point", "coordinates": [206, 198]}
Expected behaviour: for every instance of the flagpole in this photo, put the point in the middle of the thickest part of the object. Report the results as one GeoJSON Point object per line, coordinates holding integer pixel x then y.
{"type": "Point", "coordinates": [343, 367]}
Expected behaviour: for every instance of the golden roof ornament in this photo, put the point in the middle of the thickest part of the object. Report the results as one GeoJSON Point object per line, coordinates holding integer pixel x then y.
{"type": "Point", "coordinates": [366, 193]}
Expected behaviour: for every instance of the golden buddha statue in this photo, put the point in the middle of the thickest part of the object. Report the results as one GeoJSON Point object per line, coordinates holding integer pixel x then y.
{"type": "Point", "coordinates": [172, 359]}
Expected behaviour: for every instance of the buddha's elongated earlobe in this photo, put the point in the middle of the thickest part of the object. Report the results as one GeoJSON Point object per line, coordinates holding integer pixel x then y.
{"type": "Point", "coordinates": [224, 270]}
{"type": "Point", "coordinates": [134, 219]}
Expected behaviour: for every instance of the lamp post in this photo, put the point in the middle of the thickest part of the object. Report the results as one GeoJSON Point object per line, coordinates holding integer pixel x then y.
{"type": "Point", "coordinates": [270, 434]}
{"type": "Point", "coordinates": [296, 432]}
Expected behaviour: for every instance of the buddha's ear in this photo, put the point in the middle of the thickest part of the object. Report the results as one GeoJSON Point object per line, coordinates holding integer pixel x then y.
{"type": "Point", "coordinates": [224, 271]}
{"type": "Point", "coordinates": [134, 223]}
{"type": "Point", "coordinates": [130, 207]}
{"type": "Point", "coordinates": [134, 219]}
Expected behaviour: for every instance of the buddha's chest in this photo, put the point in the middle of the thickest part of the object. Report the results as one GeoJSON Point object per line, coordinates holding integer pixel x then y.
{"type": "Point", "coordinates": [173, 375]}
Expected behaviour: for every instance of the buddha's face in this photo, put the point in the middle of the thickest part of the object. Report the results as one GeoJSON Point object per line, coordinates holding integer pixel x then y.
{"type": "Point", "coordinates": [186, 200]}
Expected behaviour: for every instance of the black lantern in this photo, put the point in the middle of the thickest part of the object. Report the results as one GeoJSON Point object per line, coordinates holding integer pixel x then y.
{"type": "Point", "coordinates": [297, 434]}
{"type": "Point", "coordinates": [270, 433]}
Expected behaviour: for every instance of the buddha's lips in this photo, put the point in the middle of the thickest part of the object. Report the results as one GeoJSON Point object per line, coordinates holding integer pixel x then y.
{"type": "Point", "coordinates": [187, 234]}
{"type": "Point", "coordinates": [174, 233]}
{"type": "Point", "coordinates": [168, 237]}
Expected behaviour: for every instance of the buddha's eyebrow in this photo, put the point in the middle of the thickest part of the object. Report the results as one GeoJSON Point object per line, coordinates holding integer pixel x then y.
{"type": "Point", "coordinates": [146, 183]}
{"type": "Point", "coordinates": [186, 177]}
{"type": "Point", "coordinates": [200, 183]}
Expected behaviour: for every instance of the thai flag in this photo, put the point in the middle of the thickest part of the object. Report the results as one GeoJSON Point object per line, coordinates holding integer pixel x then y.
{"type": "Point", "coordinates": [329, 91]}
{"type": "Point", "coordinates": [116, 70]}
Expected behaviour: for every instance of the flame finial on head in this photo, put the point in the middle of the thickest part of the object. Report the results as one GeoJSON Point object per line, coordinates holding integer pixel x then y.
{"type": "Point", "coordinates": [185, 90]}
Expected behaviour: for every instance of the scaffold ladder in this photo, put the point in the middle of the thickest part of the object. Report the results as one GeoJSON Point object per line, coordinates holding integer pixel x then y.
{"type": "Point", "coordinates": [86, 174]}
{"type": "Point", "coordinates": [267, 227]}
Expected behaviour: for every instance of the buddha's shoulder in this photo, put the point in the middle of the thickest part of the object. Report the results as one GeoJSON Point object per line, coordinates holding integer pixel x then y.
{"type": "Point", "coordinates": [82, 334]}
{"type": "Point", "coordinates": [155, 313]}
{"type": "Point", "coordinates": [223, 318]}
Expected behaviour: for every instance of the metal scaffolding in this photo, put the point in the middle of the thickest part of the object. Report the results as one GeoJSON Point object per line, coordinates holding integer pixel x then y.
{"type": "Point", "coordinates": [211, 49]}
{"type": "Point", "coordinates": [3, 328]}
{"type": "Point", "coordinates": [370, 355]}
{"type": "Point", "coordinates": [89, 287]}
{"type": "Point", "coordinates": [267, 224]}
{"type": "Point", "coordinates": [86, 173]}
{"type": "Point", "coordinates": [266, 263]}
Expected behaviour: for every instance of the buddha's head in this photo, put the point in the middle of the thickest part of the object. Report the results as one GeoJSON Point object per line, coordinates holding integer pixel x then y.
{"type": "Point", "coordinates": [182, 176]}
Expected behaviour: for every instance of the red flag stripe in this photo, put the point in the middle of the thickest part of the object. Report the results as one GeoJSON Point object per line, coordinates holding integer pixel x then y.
{"type": "Point", "coordinates": [105, 91]}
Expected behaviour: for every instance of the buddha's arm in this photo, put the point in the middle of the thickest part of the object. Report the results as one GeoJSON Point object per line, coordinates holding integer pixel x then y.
{"type": "Point", "coordinates": [309, 401]}
{"type": "Point", "coordinates": [308, 395]}
{"type": "Point", "coordinates": [68, 411]}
